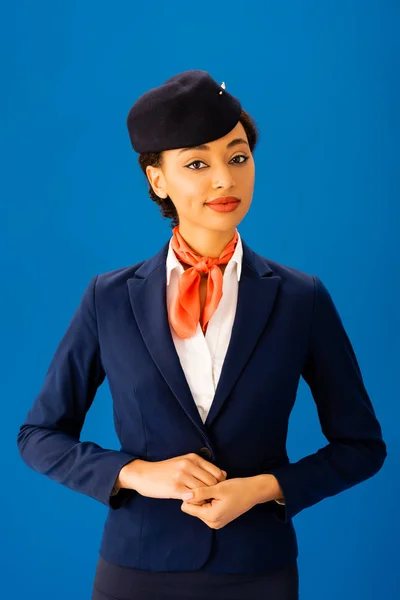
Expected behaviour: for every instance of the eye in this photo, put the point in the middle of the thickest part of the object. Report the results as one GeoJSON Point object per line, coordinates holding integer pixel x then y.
{"type": "Point", "coordinates": [246, 158]}
{"type": "Point", "coordinates": [194, 163]}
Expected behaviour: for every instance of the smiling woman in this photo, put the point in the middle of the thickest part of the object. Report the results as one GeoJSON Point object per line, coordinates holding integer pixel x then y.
{"type": "Point", "coordinates": [150, 162]}
{"type": "Point", "coordinates": [191, 178]}
{"type": "Point", "coordinates": [203, 345]}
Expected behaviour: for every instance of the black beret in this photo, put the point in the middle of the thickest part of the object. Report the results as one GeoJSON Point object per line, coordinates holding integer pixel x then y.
{"type": "Point", "coordinates": [189, 109]}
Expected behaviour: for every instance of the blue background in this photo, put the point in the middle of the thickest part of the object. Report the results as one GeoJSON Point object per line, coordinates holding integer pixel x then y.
{"type": "Point", "coordinates": [321, 80]}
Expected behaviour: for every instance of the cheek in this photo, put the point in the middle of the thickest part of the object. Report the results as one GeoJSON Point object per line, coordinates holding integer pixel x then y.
{"type": "Point", "coordinates": [249, 180]}
{"type": "Point", "coordinates": [251, 171]}
{"type": "Point", "coordinates": [190, 186]}
{"type": "Point", "coordinates": [193, 190]}
{"type": "Point", "coordinates": [198, 186]}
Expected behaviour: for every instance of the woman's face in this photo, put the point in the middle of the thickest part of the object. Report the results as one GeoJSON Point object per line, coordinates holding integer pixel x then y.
{"type": "Point", "coordinates": [192, 177]}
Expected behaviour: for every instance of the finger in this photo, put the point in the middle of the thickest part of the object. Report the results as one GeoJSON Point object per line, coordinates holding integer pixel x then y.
{"type": "Point", "coordinates": [196, 510]}
{"type": "Point", "coordinates": [193, 500]}
{"type": "Point", "coordinates": [209, 467]}
{"type": "Point", "coordinates": [202, 493]}
{"type": "Point", "coordinates": [204, 477]}
{"type": "Point", "coordinates": [187, 483]}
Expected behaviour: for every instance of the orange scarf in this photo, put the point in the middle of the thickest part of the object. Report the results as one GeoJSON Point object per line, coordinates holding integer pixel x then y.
{"type": "Point", "coordinates": [184, 311]}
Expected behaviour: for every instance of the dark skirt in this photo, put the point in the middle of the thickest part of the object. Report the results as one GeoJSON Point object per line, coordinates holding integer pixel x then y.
{"type": "Point", "coordinates": [113, 582]}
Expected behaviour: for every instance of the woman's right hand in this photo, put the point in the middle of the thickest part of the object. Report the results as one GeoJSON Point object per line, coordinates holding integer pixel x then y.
{"type": "Point", "coordinates": [170, 478]}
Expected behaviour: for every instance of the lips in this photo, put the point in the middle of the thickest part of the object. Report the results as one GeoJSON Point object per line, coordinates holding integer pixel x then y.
{"type": "Point", "coordinates": [224, 200]}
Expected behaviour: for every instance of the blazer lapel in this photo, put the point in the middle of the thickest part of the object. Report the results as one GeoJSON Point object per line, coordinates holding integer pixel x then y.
{"type": "Point", "coordinates": [257, 292]}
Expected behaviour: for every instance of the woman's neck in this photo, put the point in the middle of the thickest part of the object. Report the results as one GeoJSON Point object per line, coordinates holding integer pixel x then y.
{"type": "Point", "coordinates": [205, 242]}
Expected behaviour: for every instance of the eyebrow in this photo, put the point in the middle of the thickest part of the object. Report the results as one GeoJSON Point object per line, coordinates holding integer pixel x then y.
{"type": "Point", "coordinates": [205, 147]}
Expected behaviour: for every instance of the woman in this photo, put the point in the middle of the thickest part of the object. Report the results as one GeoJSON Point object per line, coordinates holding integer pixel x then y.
{"type": "Point", "coordinates": [203, 346]}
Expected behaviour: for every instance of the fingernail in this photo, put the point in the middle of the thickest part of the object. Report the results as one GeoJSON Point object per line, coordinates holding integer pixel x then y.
{"type": "Point", "coordinates": [187, 496]}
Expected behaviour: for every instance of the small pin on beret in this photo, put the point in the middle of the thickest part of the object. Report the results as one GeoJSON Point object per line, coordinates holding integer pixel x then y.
{"type": "Point", "coordinates": [188, 109]}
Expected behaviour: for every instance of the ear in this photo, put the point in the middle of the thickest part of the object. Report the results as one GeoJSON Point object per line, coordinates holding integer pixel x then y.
{"type": "Point", "coordinates": [156, 180]}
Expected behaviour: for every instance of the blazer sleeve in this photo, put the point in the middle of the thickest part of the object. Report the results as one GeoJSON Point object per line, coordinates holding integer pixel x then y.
{"type": "Point", "coordinates": [356, 450]}
{"type": "Point", "coordinates": [49, 439]}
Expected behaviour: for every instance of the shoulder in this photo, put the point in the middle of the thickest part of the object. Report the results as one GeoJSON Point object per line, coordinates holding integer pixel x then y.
{"type": "Point", "coordinates": [301, 285]}
{"type": "Point", "coordinates": [293, 280]}
{"type": "Point", "coordinates": [115, 280]}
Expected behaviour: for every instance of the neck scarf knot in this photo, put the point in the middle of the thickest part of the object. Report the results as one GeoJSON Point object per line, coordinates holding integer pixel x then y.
{"type": "Point", "coordinates": [184, 311]}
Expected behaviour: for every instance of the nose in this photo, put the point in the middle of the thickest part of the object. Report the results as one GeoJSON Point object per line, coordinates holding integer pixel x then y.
{"type": "Point", "coordinates": [222, 177]}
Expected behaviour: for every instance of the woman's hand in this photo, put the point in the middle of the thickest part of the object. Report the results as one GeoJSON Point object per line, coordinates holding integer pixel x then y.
{"type": "Point", "coordinates": [227, 501]}
{"type": "Point", "coordinates": [170, 478]}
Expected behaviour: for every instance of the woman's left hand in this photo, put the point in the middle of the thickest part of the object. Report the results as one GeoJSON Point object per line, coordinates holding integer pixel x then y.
{"type": "Point", "coordinates": [229, 499]}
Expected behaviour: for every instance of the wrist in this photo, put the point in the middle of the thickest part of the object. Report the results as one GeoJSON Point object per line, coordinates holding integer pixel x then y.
{"type": "Point", "coordinates": [266, 488]}
{"type": "Point", "coordinates": [128, 474]}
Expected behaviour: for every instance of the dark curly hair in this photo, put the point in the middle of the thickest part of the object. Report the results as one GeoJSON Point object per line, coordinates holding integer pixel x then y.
{"type": "Point", "coordinates": [168, 210]}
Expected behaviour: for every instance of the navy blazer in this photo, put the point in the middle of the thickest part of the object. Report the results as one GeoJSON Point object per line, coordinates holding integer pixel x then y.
{"type": "Point", "coordinates": [286, 326]}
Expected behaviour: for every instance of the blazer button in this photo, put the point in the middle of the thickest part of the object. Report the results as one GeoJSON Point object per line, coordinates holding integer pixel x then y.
{"type": "Point", "coordinates": [205, 452]}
